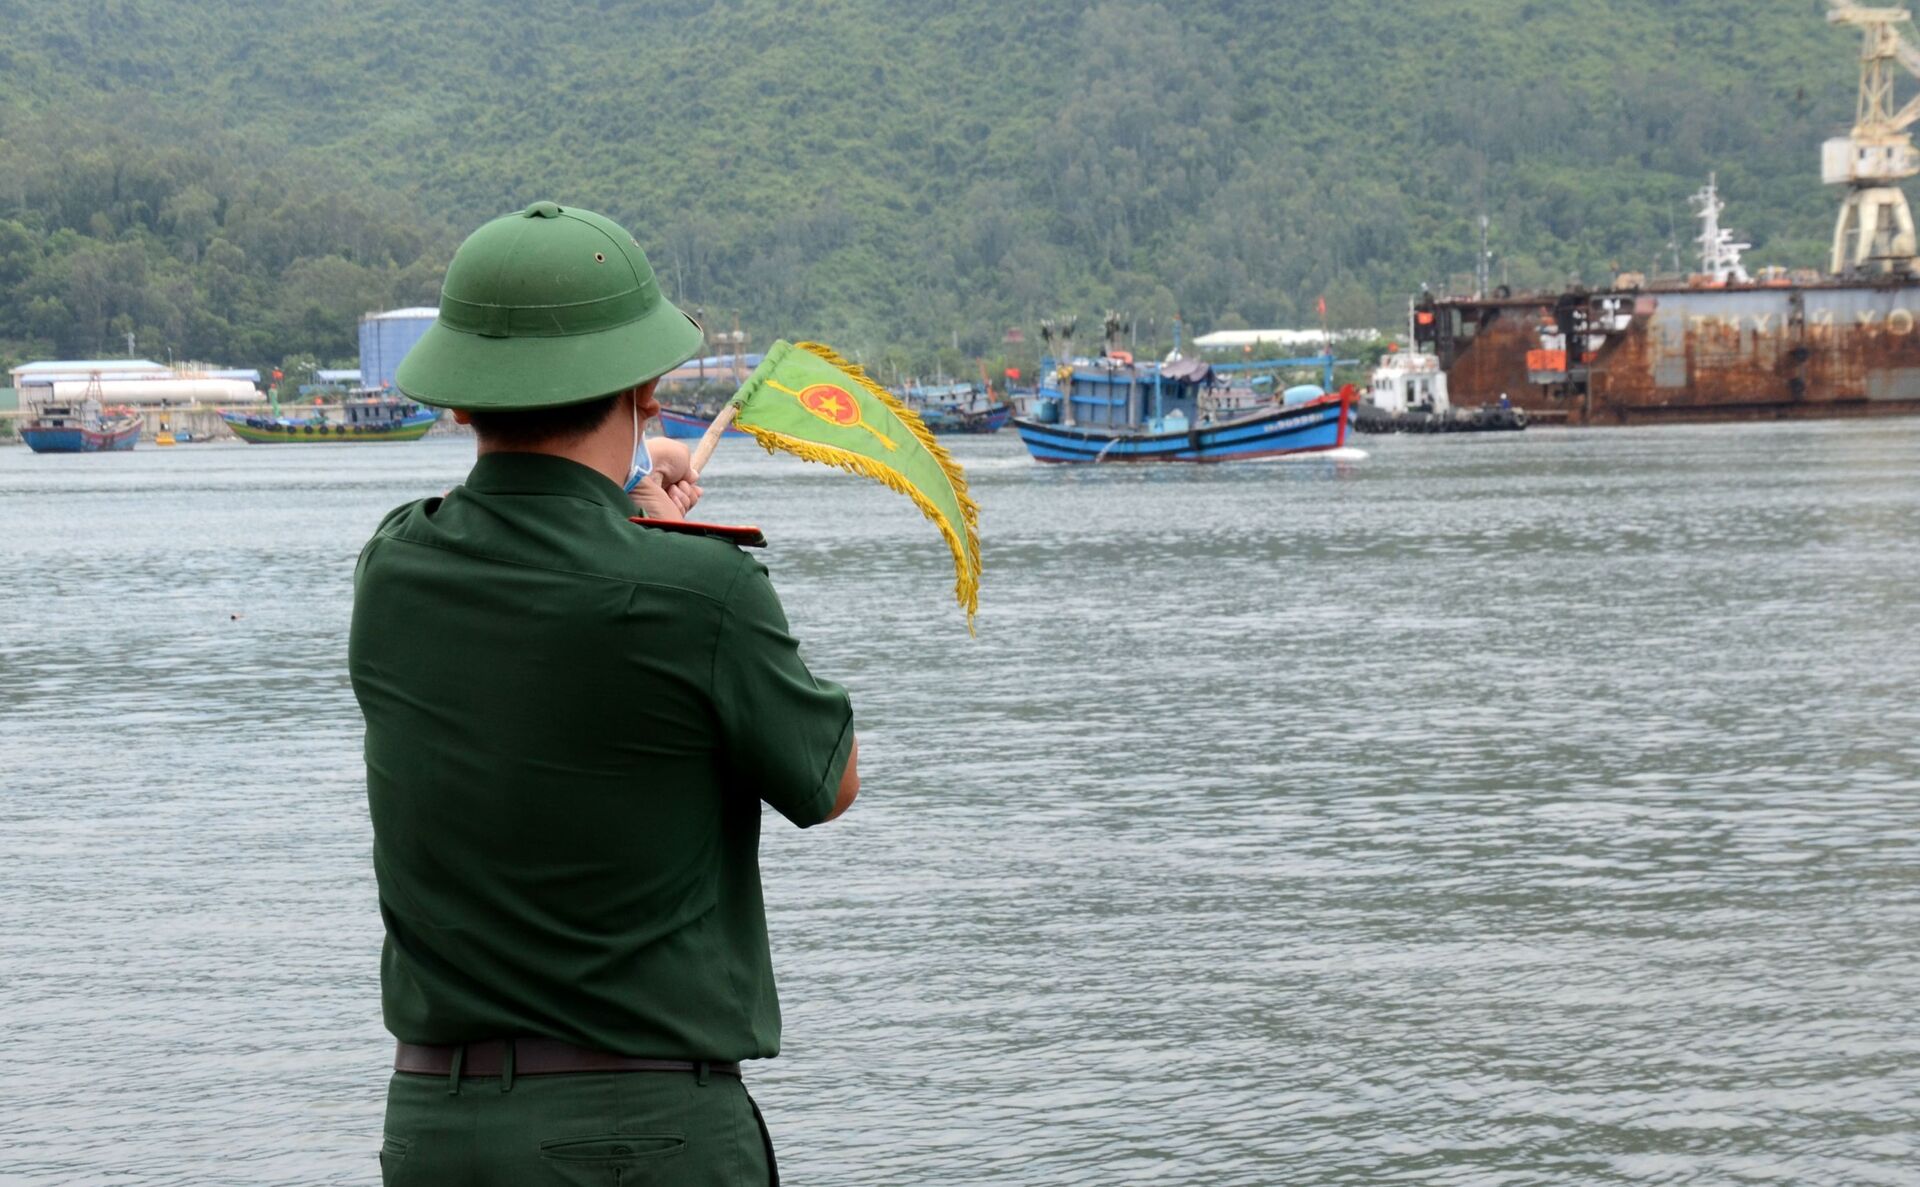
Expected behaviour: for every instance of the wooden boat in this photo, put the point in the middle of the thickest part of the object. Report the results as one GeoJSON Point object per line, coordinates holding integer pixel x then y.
{"type": "Point", "coordinates": [992, 421]}
{"type": "Point", "coordinates": [80, 427]}
{"type": "Point", "coordinates": [1112, 409]}
{"type": "Point", "coordinates": [1275, 431]}
{"type": "Point", "coordinates": [689, 426]}
{"type": "Point", "coordinates": [363, 420]}
{"type": "Point", "coordinates": [956, 408]}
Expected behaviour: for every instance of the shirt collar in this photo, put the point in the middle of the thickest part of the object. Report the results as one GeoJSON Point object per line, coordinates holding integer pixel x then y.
{"type": "Point", "coordinates": [545, 474]}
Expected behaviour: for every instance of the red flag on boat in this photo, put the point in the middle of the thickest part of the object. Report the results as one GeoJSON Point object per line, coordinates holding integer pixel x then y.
{"type": "Point", "coordinates": [1323, 306]}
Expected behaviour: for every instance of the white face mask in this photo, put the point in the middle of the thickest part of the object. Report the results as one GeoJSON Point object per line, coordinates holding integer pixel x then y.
{"type": "Point", "coordinates": [642, 460]}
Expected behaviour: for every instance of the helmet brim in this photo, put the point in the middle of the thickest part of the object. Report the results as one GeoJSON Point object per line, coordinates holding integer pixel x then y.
{"type": "Point", "coordinates": [451, 368]}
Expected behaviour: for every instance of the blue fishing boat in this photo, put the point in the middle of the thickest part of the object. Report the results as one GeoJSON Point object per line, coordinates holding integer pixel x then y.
{"type": "Point", "coordinates": [80, 426]}
{"type": "Point", "coordinates": [1113, 409]}
{"type": "Point", "coordinates": [1314, 426]}
{"type": "Point", "coordinates": [956, 407]}
{"type": "Point", "coordinates": [689, 426]}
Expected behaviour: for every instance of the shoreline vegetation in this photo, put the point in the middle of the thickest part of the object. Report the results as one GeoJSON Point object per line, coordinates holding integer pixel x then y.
{"type": "Point", "coordinates": [963, 170]}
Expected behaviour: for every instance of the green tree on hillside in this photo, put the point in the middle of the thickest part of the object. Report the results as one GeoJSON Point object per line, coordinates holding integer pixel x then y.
{"type": "Point", "coordinates": [889, 174]}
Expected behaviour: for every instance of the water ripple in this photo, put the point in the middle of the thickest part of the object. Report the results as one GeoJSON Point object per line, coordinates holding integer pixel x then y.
{"type": "Point", "coordinates": [1478, 813]}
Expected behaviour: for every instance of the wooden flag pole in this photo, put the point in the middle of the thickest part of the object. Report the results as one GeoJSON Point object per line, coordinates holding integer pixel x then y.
{"type": "Point", "coordinates": [711, 440]}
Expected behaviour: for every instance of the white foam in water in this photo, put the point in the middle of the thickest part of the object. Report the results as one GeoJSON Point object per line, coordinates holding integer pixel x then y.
{"type": "Point", "coordinates": [1345, 453]}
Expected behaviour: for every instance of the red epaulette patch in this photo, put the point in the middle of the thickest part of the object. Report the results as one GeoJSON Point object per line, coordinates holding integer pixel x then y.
{"type": "Point", "coordinates": [744, 537]}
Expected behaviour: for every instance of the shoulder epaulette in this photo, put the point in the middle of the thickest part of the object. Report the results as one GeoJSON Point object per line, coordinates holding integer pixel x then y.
{"type": "Point", "coordinates": [744, 537]}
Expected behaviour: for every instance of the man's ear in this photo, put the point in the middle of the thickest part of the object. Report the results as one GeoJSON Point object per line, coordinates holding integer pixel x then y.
{"type": "Point", "coordinates": [460, 417]}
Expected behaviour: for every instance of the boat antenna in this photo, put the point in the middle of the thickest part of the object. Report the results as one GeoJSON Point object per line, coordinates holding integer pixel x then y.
{"type": "Point", "coordinates": [1483, 268]}
{"type": "Point", "coordinates": [1720, 256]}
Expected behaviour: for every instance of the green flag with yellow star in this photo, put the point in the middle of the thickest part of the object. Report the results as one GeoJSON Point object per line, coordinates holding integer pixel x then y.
{"type": "Point", "coordinates": [808, 401]}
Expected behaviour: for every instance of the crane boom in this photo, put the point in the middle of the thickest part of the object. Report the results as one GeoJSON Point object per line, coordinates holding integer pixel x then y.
{"type": "Point", "coordinates": [1907, 116]}
{"type": "Point", "coordinates": [1844, 13]}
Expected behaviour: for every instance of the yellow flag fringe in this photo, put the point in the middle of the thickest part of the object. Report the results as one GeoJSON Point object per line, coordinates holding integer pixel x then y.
{"type": "Point", "coordinates": [966, 556]}
{"type": "Point", "coordinates": [967, 588]}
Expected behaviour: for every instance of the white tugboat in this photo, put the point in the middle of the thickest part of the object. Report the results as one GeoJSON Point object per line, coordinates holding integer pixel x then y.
{"type": "Point", "coordinates": [1405, 383]}
{"type": "Point", "coordinates": [1408, 394]}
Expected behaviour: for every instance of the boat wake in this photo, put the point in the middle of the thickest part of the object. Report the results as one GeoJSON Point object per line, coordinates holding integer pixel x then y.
{"type": "Point", "coordinates": [1345, 453]}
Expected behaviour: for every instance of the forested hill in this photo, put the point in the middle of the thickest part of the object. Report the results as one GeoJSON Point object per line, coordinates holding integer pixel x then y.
{"type": "Point", "coordinates": [239, 180]}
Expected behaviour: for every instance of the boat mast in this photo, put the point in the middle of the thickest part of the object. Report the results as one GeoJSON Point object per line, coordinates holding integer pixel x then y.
{"type": "Point", "coordinates": [1483, 267]}
{"type": "Point", "coordinates": [1067, 328]}
{"type": "Point", "coordinates": [1113, 326]}
{"type": "Point", "coordinates": [1720, 256]}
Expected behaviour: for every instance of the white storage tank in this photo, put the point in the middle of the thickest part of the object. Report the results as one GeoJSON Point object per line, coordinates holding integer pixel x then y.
{"type": "Point", "coordinates": [385, 339]}
{"type": "Point", "coordinates": [149, 393]}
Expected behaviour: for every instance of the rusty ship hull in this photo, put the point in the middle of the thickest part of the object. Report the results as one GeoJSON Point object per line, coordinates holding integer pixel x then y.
{"type": "Point", "coordinates": [1684, 354]}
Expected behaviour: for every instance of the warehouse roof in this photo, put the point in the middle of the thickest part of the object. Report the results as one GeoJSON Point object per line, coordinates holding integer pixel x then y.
{"type": "Point", "coordinates": [110, 370]}
{"type": "Point", "coordinates": [1229, 339]}
{"type": "Point", "coordinates": [88, 366]}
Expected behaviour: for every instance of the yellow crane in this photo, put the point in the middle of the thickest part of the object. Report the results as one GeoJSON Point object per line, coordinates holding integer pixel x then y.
{"type": "Point", "coordinates": [1875, 231]}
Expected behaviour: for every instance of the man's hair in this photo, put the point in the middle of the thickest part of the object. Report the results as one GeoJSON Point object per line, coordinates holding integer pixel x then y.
{"type": "Point", "coordinates": [528, 427]}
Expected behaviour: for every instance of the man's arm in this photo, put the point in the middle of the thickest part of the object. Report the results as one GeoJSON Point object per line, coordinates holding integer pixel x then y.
{"type": "Point", "coordinates": [784, 734]}
{"type": "Point", "coordinates": [849, 784]}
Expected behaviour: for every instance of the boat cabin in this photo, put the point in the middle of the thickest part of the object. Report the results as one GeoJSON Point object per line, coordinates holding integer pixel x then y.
{"type": "Point", "coordinates": [375, 411]}
{"type": "Point", "coordinates": [950, 397]}
{"type": "Point", "coordinates": [1112, 393]}
{"type": "Point", "coordinates": [66, 414]}
{"type": "Point", "coordinates": [1409, 383]}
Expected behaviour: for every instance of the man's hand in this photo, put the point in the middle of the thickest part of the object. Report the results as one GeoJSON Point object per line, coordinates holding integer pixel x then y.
{"type": "Point", "coordinates": [685, 495]}
{"type": "Point", "coordinates": [673, 487]}
{"type": "Point", "coordinates": [656, 501]}
{"type": "Point", "coordinates": [672, 460]}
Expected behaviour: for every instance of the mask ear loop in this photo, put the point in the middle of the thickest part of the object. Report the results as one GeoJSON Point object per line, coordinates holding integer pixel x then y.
{"type": "Point", "coordinates": [635, 473]}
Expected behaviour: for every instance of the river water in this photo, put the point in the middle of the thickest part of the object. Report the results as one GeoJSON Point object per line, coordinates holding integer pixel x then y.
{"type": "Point", "coordinates": [1483, 811]}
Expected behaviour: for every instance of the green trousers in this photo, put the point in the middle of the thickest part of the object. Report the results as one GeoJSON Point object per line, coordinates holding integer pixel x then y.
{"type": "Point", "coordinates": [627, 1129]}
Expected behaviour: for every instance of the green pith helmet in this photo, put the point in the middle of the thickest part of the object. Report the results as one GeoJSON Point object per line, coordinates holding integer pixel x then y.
{"type": "Point", "coordinates": [550, 306]}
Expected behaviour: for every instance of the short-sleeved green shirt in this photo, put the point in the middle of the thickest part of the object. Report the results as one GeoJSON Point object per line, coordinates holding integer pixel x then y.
{"type": "Point", "coordinates": [572, 722]}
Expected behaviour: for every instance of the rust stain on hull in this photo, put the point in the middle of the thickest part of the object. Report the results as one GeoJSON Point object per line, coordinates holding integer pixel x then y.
{"type": "Point", "coordinates": [1688, 355]}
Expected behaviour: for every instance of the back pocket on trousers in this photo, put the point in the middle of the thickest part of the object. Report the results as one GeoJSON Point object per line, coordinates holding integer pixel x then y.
{"type": "Point", "coordinates": [614, 1148]}
{"type": "Point", "coordinates": [393, 1151]}
{"type": "Point", "coordinates": [614, 1159]}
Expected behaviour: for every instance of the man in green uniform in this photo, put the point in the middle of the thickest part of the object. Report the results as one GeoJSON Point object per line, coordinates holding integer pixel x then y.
{"type": "Point", "coordinates": [573, 719]}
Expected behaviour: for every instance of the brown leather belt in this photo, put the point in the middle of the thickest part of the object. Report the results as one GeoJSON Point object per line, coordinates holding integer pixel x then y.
{"type": "Point", "coordinates": [535, 1057]}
